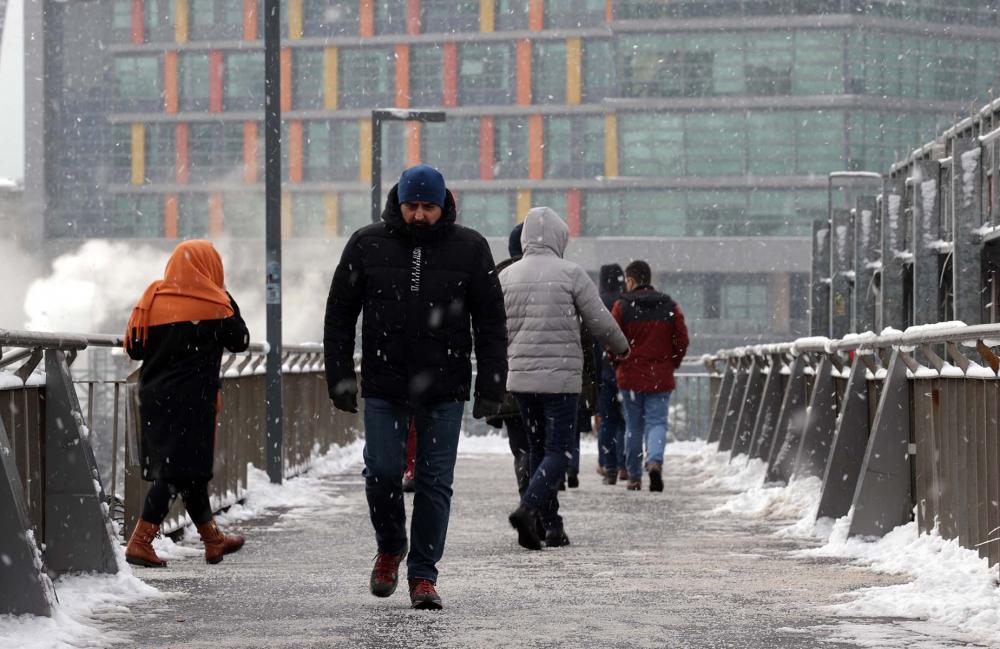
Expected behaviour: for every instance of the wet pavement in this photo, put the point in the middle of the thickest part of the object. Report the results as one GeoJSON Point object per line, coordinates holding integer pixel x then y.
{"type": "Point", "coordinates": [643, 570]}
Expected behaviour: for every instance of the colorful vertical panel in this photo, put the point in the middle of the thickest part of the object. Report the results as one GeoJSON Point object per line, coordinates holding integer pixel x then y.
{"type": "Point", "coordinates": [295, 151]}
{"type": "Point", "coordinates": [250, 19]}
{"type": "Point", "coordinates": [181, 155]}
{"type": "Point", "coordinates": [286, 79]}
{"type": "Point", "coordinates": [170, 219]}
{"type": "Point", "coordinates": [365, 150]}
{"type": "Point", "coordinates": [138, 22]}
{"type": "Point", "coordinates": [402, 76]}
{"type": "Point", "coordinates": [536, 147]}
{"type": "Point", "coordinates": [286, 215]}
{"type": "Point", "coordinates": [412, 143]}
{"type": "Point", "coordinates": [450, 75]}
{"type": "Point", "coordinates": [181, 16]}
{"type": "Point", "coordinates": [250, 152]}
{"type": "Point", "coordinates": [487, 16]}
{"type": "Point", "coordinates": [536, 15]}
{"type": "Point", "coordinates": [215, 214]}
{"type": "Point", "coordinates": [573, 211]}
{"type": "Point", "coordinates": [412, 17]}
{"type": "Point", "coordinates": [611, 145]}
{"type": "Point", "coordinates": [294, 19]}
{"type": "Point", "coordinates": [609, 10]}
{"type": "Point", "coordinates": [574, 70]}
{"type": "Point", "coordinates": [523, 72]}
{"type": "Point", "coordinates": [487, 147]}
{"type": "Point", "coordinates": [215, 81]}
{"type": "Point", "coordinates": [330, 78]}
{"type": "Point", "coordinates": [523, 204]}
{"type": "Point", "coordinates": [138, 153]}
{"type": "Point", "coordinates": [366, 18]}
{"type": "Point", "coordinates": [170, 81]}
{"type": "Point", "coordinates": [331, 213]}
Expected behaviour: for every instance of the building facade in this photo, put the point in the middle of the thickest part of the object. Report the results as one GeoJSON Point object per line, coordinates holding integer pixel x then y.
{"type": "Point", "coordinates": [701, 125]}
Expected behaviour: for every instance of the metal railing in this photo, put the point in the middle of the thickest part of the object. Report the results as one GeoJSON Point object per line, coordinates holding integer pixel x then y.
{"type": "Point", "coordinates": [892, 424]}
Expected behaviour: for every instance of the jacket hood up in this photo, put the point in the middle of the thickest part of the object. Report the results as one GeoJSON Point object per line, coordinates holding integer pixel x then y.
{"type": "Point", "coordinates": [544, 233]}
{"type": "Point", "coordinates": [392, 215]}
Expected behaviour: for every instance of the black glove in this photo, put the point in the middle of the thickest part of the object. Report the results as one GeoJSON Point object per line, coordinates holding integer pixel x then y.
{"type": "Point", "coordinates": [484, 407]}
{"type": "Point", "coordinates": [345, 396]}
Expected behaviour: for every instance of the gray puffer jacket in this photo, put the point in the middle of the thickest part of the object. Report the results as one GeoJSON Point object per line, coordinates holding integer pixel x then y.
{"type": "Point", "coordinates": [546, 297]}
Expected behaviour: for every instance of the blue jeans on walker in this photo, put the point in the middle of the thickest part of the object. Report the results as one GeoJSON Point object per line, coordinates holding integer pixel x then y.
{"type": "Point", "coordinates": [646, 419]}
{"type": "Point", "coordinates": [611, 432]}
{"type": "Point", "coordinates": [386, 426]}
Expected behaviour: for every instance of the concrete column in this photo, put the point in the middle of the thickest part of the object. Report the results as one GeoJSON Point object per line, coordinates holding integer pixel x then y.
{"type": "Point", "coordinates": [841, 257]}
{"type": "Point", "coordinates": [894, 254]}
{"type": "Point", "coordinates": [926, 231]}
{"type": "Point", "coordinates": [966, 197]}
{"type": "Point", "coordinates": [866, 253]}
{"type": "Point", "coordinates": [819, 311]}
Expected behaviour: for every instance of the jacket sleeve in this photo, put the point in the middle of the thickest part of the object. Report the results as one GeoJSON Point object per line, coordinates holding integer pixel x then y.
{"type": "Point", "coordinates": [489, 326]}
{"type": "Point", "coordinates": [233, 332]}
{"type": "Point", "coordinates": [680, 341]}
{"type": "Point", "coordinates": [343, 305]}
{"type": "Point", "coordinates": [594, 314]}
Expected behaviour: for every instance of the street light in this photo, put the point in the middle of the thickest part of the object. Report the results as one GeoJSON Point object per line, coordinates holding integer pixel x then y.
{"type": "Point", "coordinates": [380, 115]}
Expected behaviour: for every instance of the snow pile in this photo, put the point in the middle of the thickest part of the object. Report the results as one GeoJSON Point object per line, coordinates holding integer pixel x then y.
{"type": "Point", "coordinates": [793, 501]}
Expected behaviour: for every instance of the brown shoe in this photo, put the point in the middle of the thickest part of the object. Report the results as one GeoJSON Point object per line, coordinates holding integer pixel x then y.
{"type": "Point", "coordinates": [622, 474]}
{"type": "Point", "coordinates": [217, 544]}
{"type": "Point", "coordinates": [600, 470]}
{"type": "Point", "coordinates": [634, 485]}
{"type": "Point", "coordinates": [139, 551]}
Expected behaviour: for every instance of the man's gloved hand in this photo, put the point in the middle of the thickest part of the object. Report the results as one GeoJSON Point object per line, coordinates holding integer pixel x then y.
{"type": "Point", "coordinates": [345, 396]}
{"type": "Point", "coordinates": [484, 407]}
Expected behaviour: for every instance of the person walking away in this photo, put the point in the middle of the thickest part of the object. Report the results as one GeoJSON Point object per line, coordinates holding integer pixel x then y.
{"type": "Point", "coordinates": [544, 296]}
{"type": "Point", "coordinates": [654, 325]}
{"type": "Point", "coordinates": [430, 294]}
{"type": "Point", "coordinates": [409, 484]}
{"type": "Point", "coordinates": [179, 329]}
{"type": "Point", "coordinates": [611, 427]}
{"type": "Point", "coordinates": [588, 406]}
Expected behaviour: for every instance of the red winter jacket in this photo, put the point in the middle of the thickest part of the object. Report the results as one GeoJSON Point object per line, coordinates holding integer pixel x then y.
{"type": "Point", "coordinates": [654, 326]}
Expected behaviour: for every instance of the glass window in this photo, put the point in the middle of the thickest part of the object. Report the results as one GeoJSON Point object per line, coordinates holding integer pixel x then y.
{"type": "Point", "coordinates": [138, 84]}
{"type": "Point", "coordinates": [485, 74]}
{"type": "Point", "coordinates": [512, 14]}
{"type": "Point", "coordinates": [308, 216]}
{"type": "Point", "coordinates": [602, 213]}
{"type": "Point", "coordinates": [659, 66]}
{"type": "Point", "coordinates": [121, 153]}
{"type": "Point", "coordinates": [452, 147]}
{"type": "Point", "coordinates": [574, 147]}
{"type": "Point", "coordinates": [819, 63]}
{"type": "Point", "coordinates": [330, 18]}
{"type": "Point", "coordinates": [598, 70]}
{"type": "Point", "coordinates": [720, 146]}
{"type": "Point", "coordinates": [308, 85]}
{"type": "Point", "coordinates": [138, 217]}
{"type": "Point", "coordinates": [202, 13]}
{"type": "Point", "coordinates": [716, 213]}
{"type": "Point", "coordinates": [215, 151]}
{"type": "Point", "coordinates": [367, 77]}
{"type": "Point", "coordinates": [771, 143]}
{"type": "Point", "coordinates": [510, 147]}
{"type": "Point", "coordinates": [488, 213]}
{"type": "Point", "coordinates": [651, 144]}
{"type": "Point", "coordinates": [192, 81]}
{"type": "Point", "coordinates": [393, 153]}
{"type": "Point", "coordinates": [548, 72]}
{"type": "Point", "coordinates": [556, 200]}
{"type": "Point", "coordinates": [690, 297]}
{"type": "Point", "coordinates": [744, 302]}
{"type": "Point", "coordinates": [426, 75]}
{"type": "Point", "coordinates": [244, 215]}
{"type": "Point", "coordinates": [244, 81]}
{"type": "Point", "coordinates": [652, 213]}
{"type": "Point", "coordinates": [824, 131]}
{"type": "Point", "coordinates": [192, 216]}
{"type": "Point", "coordinates": [438, 16]}
{"type": "Point", "coordinates": [355, 213]}
{"type": "Point", "coordinates": [574, 13]}
{"type": "Point", "coordinates": [331, 151]}
{"type": "Point", "coordinates": [390, 17]}
{"type": "Point", "coordinates": [161, 155]}
{"type": "Point", "coordinates": [769, 63]}
{"type": "Point", "coordinates": [316, 157]}
{"type": "Point", "coordinates": [159, 17]}
{"type": "Point", "coordinates": [121, 17]}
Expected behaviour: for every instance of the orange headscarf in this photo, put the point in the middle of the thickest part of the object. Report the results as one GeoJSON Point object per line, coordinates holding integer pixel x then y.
{"type": "Point", "coordinates": [191, 289]}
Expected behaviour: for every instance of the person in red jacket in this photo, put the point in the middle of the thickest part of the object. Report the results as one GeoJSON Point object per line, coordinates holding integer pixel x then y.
{"type": "Point", "coordinates": [654, 326]}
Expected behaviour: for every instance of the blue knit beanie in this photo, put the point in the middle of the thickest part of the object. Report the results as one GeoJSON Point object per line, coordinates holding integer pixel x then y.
{"type": "Point", "coordinates": [514, 242]}
{"type": "Point", "coordinates": [421, 183]}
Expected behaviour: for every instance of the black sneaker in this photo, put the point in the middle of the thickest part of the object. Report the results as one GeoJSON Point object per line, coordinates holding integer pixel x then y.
{"type": "Point", "coordinates": [524, 522]}
{"type": "Point", "coordinates": [572, 478]}
{"type": "Point", "coordinates": [385, 574]}
{"type": "Point", "coordinates": [610, 477]}
{"type": "Point", "coordinates": [655, 477]}
{"type": "Point", "coordinates": [423, 596]}
{"type": "Point", "coordinates": [556, 539]}
{"type": "Point", "coordinates": [539, 528]}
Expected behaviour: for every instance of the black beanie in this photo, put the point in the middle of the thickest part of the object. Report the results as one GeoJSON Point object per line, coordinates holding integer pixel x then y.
{"type": "Point", "coordinates": [514, 242]}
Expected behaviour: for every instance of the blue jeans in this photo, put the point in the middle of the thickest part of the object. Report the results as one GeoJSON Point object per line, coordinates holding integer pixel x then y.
{"type": "Point", "coordinates": [646, 419]}
{"type": "Point", "coordinates": [574, 451]}
{"type": "Point", "coordinates": [611, 432]}
{"type": "Point", "coordinates": [550, 420]}
{"type": "Point", "coordinates": [386, 427]}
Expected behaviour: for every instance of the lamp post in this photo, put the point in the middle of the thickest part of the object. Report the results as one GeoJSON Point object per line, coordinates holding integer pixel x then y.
{"type": "Point", "coordinates": [380, 115]}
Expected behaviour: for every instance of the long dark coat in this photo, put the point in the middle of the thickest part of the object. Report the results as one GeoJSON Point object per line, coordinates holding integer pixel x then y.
{"type": "Point", "coordinates": [179, 387]}
{"type": "Point", "coordinates": [425, 294]}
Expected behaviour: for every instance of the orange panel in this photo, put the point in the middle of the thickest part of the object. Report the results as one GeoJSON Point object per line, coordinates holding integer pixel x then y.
{"type": "Point", "coordinates": [250, 152]}
{"type": "Point", "coordinates": [215, 214]}
{"type": "Point", "coordinates": [286, 79]}
{"type": "Point", "coordinates": [170, 227]}
{"type": "Point", "coordinates": [295, 151]}
{"type": "Point", "coordinates": [487, 147]}
{"type": "Point", "coordinates": [138, 24]}
{"type": "Point", "coordinates": [181, 158]}
{"type": "Point", "coordinates": [215, 81]}
{"type": "Point", "coordinates": [402, 76]}
{"type": "Point", "coordinates": [573, 211]}
{"type": "Point", "coordinates": [535, 15]}
{"type": "Point", "coordinates": [170, 82]}
{"type": "Point", "coordinates": [450, 62]}
{"type": "Point", "coordinates": [535, 147]}
{"type": "Point", "coordinates": [367, 18]}
{"type": "Point", "coordinates": [413, 17]}
{"type": "Point", "coordinates": [412, 144]}
{"type": "Point", "coordinates": [249, 20]}
{"type": "Point", "coordinates": [609, 10]}
{"type": "Point", "coordinates": [523, 73]}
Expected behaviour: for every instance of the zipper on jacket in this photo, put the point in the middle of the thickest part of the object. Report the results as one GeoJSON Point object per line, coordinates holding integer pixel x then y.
{"type": "Point", "coordinates": [415, 271]}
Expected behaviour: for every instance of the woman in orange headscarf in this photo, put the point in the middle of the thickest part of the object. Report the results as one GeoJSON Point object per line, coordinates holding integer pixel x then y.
{"type": "Point", "coordinates": [178, 330]}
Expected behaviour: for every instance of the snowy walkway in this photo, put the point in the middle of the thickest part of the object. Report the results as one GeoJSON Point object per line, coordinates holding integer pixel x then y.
{"type": "Point", "coordinates": [644, 570]}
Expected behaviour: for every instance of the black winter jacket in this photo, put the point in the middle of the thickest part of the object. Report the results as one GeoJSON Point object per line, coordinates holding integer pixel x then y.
{"type": "Point", "coordinates": [179, 387]}
{"type": "Point", "coordinates": [424, 294]}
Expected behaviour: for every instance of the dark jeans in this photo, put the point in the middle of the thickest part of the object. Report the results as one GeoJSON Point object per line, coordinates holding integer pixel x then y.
{"type": "Point", "coordinates": [386, 427]}
{"type": "Point", "coordinates": [611, 432]}
{"type": "Point", "coordinates": [517, 437]}
{"type": "Point", "coordinates": [550, 420]}
{"type": "Point", "coordinates": [162, 494]}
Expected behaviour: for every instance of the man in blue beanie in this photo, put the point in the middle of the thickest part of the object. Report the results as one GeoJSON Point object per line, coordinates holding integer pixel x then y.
{"type": "Point", "coordinates": [430, 297]}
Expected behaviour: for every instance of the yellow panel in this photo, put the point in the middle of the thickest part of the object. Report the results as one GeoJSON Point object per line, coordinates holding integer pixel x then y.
{"type": "Point", "coordinates": [487, 15]}
{"type": "Point", "coordinates": [331, 212]}
{"type": "Point", "coordinates": [294, 19]}
{"type": "Point", "coordinates": [286, 215]}
{"type": "Point", "coordinates": [138, 153]}
{"type": "Point", "coordinates": [330, 78]}
{"type": "Point", "coordinates": [181, 21]}
{"type": "Point", "coordinates": [365, 150]}
{"type": "Point", "coordinates": [523, 204]}
{"type": "Point", "coordinates": [611, 145]}
{"type": "Point", "coordinates": [574, 70]}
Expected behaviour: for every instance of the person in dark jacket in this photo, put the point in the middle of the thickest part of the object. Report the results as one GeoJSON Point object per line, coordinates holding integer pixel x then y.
{"type": "Point", "coordinates": [611, 429]}
{"type": "Point", "coordinates": [178, 330]}
{"type": "Point", "coordinates": [654, 326]}
{"type": "Point", "coordinates": [429, 293]}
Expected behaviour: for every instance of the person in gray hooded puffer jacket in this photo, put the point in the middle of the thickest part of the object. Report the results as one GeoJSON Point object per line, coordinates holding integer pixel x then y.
{"type": "Point", "coordinates": [546, 297]}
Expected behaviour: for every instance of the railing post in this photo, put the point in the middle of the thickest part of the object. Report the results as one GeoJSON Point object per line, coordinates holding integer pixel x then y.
{"type": "Point", "coordinates": [791, 421]}
{"type": "Point", "coordinates": [721, 403]}
{"type": "Point", "coordinates": [891, 289]}
{"type": "Point", "coordinates": [926, 233]}
{"type": "Point", "coordinates": [841, 253]}
{"type": "Point", "coordinates": [966, 261]}
{"type": "Point", "coordinates": [749, 408]}
{"type": "Point", "coordinates": [821, 422]}
{"type": "Point", "coordinates": [819, 310]}
{"type": "Point", "coordinates": [767, 416]}
{"type": "Point", "coordinates": [866, 251]}
{"type": "Point", "coordinates": [735, 406]}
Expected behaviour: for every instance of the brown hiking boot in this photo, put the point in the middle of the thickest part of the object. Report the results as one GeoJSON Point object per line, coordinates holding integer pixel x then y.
{"type": "Point", "coordinates": [217, 544]}
{"type": "Point", "coordinates": [139, 551]}
{"type": "Point", "coordinates": [622, 474]}
{"type": "Point", "coordinates": [634, 485]}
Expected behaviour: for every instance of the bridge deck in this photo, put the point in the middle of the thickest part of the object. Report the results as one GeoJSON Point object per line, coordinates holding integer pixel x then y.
{"type": "Point", "coordinates": [644, 570]}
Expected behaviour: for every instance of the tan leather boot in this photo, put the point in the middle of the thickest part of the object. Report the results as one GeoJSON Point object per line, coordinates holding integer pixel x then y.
{"type": "Point", "coordinates": [139, 551]}
{"type": "Point", "coordinates": [217, 544]}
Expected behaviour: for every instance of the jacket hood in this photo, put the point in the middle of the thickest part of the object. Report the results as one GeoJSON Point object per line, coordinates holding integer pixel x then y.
{"type": "Point", "coordinates": [612, 279]}
{"type": "Point", "coordinates": [393, 217]}
{"type": "Point", "coordinates": [544, 233]}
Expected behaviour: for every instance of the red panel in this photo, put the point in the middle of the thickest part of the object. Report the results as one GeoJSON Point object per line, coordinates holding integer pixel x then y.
{"type": "Point", "coordinates": [573, 211]}
{"type": "Point", "coordinates": [366, 18]}
{"type": "Point", "coordinates": [402, 76]}
{"type": "Point", "coordinates": [250, 152]}
{"type": "Point", "coordinates": [250, 20]}
{"type": "Point", "coordinates": [138, 23]}
{"type": "Point", "coordinates": [215, 81]}
{"type": "Point", "coordinates": [170, 228]}
{"type": "Point", "coordinates": [215, 214]}
{"type": "Point", "coordinates": [609, 10]}
{"type": "Point", "coordinates": [170, 81]}
{"type": "Point", "coordinates": [181, 159]}
{"type": "Point", "coordinates": [450, 74]}
{"type": "Point", "coordinates": [536, 147]}
{"type": "Point", "coordinates": [487, 148]}
{"type": "Point", "coordinates": [286, 79]}
{"type": "Point", "coordinates": [413, 17]}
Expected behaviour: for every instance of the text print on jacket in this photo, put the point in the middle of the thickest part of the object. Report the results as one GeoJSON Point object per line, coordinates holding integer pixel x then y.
{"type": "Point", "coordinates": [545, 297]}
{"type": "Point", "coordinates": [424, 292]}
